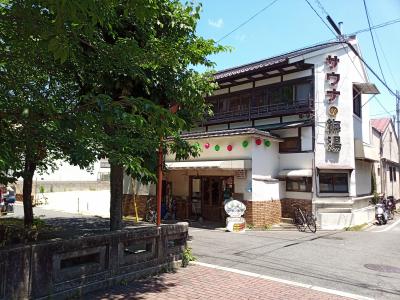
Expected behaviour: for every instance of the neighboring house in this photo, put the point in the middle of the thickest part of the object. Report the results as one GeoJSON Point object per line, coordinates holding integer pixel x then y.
{"type": "Point", "coordinates": [387, 169]}
{"type": "Point", "coordinates": [288, 130]}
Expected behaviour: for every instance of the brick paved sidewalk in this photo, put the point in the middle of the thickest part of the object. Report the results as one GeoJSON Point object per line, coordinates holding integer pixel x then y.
{"type": "Point", "coordinates": [199, 282]}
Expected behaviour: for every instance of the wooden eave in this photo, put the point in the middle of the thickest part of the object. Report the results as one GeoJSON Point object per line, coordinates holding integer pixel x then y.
{"type": "Point", "coordinates": [260, 74]}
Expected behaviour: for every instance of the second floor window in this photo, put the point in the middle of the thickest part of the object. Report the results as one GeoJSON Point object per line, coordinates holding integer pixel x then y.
{"type": "Point", "coordinates": [357, 108]}
{"type": "Point", "coordinates": [276, 97]}
{"type": "Point", "coordinates": [289, 145]}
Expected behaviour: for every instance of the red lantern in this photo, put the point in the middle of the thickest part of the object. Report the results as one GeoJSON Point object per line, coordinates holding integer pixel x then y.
{"type": "Point", "coordinates": [207, 145]}
{"type": "Point", "coordinates": [229, 147]}
{"type": "Point", "coordinates": [258, 142]}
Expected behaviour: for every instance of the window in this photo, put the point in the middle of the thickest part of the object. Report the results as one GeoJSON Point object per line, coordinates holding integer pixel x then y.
{"type": "Point", "coordinates": [303, 92]}
{"type": "Point", "coordinates": [287, 94]}
{"type": "Point", "coordinates": [288, 145]}
{"type": "Point", "coordinates": [298, 184]}
{"type": "Point", "coordinates": [223, 104]}
{"type": "Point", "coordinates": [234, 104]}
{"type": "Point", "coordinates": [357, 102]}
{"type": "Point", "coordinates": [274, 96]}
{"type": "Point", "coordinates": [333, 183]}
{"type": "Point", "coordinates": [392, 173]}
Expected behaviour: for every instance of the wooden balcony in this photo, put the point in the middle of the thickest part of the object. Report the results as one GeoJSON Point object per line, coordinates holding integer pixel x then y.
{"type": "Point", "coordinates": [257, 112]}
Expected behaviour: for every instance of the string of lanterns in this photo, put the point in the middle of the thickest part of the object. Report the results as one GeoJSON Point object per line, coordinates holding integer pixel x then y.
{"type": "Point", "coordinates": [245, 144]}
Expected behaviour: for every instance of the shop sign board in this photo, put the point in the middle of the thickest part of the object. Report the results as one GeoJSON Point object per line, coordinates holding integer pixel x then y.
{"type": "Point", "coordinates": [332, 126]}
{"type": "Point", "coordinates": [235, 222]}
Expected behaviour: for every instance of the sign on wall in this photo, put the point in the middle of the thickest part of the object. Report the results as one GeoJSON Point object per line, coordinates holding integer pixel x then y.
{"type": "Point", "coordinates": [332, 126]}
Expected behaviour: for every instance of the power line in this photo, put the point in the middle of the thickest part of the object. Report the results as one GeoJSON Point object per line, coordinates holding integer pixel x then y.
{"type": "Point", "coordinates": [391, 22]}
{"type": "Point", "coordinates": [358, 55]}
{"type": "Point", "coordinates": [248, 20]}
{"type": "Point", "coordinates": [386, 61]}
{"type": "Point", "coordinates": [381, 114]}
{"type": "Point", "coordinates": [373, 40]}
{"type": "Point", "coordinates": [309, 4]}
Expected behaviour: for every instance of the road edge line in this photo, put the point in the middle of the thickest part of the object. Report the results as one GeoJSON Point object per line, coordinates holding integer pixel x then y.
{"type": "Point", "coordinates": [288, 282]}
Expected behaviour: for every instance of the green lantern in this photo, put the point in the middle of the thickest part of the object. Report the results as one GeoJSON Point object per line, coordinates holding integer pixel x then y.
{"type": "Point", "coordinates": [217, 147]}
{"type": "Point", "coordinates": [245, 144]}
{"type": "Point", "coordinates": [267, 143]}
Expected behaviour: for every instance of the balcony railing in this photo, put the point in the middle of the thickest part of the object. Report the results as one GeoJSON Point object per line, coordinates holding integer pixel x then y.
{"type": "Point", "coordinates": [256, 112]}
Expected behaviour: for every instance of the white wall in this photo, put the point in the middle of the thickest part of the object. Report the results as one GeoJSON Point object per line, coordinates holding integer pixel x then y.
{"type": "Point", "coordinates": [67, 172]}
{"type": "Point", "coordinates": [344, 103]}
{"type": "Point", "coordinates": [83, 202]}
{"type": "Point", "coordinates": [265, 162]}
{"type": "Point", "coordinates": [363, 177]}
{"type": "Point", "coordinates": [295, 161]}
{"type": "Point", "coordinates": [390, 149]}
{"type": "Point", "coordinates": [306, 139]}
{"type": "Point", "coordinates": [238, 151]}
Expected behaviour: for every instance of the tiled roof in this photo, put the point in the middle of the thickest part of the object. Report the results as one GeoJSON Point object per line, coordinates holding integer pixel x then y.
{"type": "Point", "coordinates": [229, 132]}
{"type": "Point", "coordinates": [269, 62]}
{"type": "Point", "coordinates": [380, 124]}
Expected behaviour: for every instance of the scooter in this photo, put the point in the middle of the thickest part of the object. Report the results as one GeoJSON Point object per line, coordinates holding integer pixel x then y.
{"type": "Point", "coordinates": [381, 213]}
{"type": "Point", "coordinates": [7, 201]}
{"type": "Point", "coordinates": [390, 206]}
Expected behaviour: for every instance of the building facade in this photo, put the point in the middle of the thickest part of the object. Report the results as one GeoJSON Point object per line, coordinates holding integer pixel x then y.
{"type": "Point", "coordinates": [387, 169]}
{"type": "Point", "coordinates": [289, 130]}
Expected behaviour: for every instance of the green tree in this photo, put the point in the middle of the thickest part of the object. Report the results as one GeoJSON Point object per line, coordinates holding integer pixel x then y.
{"type": "Point", "coordinates": [130, 61]}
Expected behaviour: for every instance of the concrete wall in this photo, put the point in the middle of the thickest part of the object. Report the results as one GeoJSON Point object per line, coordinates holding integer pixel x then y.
{"type": "Point", "coordinates": [84, 202]}
{"type": "Point", "coordinates": [238, 151]}
{"type": "Point", "coordinates": [67, 172]}
{"type": "Point", "coordinates": [295, 160]}
{"type": "Point", "coordinates": [70, 268]}
{"type": "Point", "coordinates": [265, 162]}
{"type": "Point", "coordinates": [363, 177]}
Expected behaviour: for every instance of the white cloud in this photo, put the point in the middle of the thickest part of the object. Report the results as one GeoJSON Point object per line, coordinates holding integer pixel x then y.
{"type": "Point", "coordinates": [240, 37]}
{"type": "Point", "coordinates": [218, 24]}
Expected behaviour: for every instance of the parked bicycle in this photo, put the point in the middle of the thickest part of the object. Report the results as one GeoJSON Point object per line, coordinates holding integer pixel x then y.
{"type": "Point", "coordinates": [303, 219]}
{"type": "Point", "coordinates": [151, 213]}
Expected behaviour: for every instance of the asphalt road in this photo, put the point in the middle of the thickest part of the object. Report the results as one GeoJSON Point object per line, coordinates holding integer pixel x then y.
{"type": "Point", "coordinates": [366, 263]}
{"type": "Point", "coordinates": [43, 213]}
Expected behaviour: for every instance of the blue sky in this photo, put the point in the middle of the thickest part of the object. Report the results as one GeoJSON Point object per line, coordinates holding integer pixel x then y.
{"type": "Point", "coordinates": [291, 24]}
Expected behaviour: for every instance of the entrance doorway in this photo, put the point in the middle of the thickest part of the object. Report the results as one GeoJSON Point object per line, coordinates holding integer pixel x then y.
{"type": "Point", "coordinates": [207, 195]}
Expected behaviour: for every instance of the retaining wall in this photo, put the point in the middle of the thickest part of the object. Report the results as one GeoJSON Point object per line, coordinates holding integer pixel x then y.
{"type": "Point", "coordinates": [70, 268]}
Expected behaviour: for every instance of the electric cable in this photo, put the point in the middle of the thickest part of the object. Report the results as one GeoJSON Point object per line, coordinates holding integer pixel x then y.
{"type": "Point", "coordinates": [373, 40]}
{"type": "Point", "coordinates": [359, 56]}
{"type": "Point", "coordinates": [248, 20]}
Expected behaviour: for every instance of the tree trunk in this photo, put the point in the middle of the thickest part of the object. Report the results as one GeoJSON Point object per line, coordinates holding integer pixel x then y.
{"type": "Point", "coordinates": [116, 189]}
{"type": "Point", "coordinates": [29, 170]}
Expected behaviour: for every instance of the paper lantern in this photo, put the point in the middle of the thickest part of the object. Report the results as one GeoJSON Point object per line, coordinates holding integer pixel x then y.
{"type": "Point", "coordinates": [229, 147]}
{"type": "Point", "coordinates": [245, 144]}
{"type": "Point", "coordinates": [207, 145]}
{"type": "Point", "coordinates": [217, 147]}
{"type": "Point", "coordinates": [258, 142]}
{"type": "Point", "coordinates": [267, 143]}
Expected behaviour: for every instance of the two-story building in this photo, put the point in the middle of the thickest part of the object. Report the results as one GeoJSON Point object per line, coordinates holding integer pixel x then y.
{"type": "Point", "coordinates": [387, 169]}
{"type": "Point", "coordinates": [290, 129]}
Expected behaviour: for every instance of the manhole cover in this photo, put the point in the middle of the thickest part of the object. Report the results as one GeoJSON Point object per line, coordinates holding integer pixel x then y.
{"type": "Point", "coordinates": [382, 268]}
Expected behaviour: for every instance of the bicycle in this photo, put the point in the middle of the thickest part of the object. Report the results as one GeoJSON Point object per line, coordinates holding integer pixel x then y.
{"type": "Point", "coordinates": [303, 219]}
{"type": "Point", "coordinates": [151, 214]}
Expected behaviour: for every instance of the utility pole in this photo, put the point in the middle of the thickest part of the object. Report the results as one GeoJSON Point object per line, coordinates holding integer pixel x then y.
{"type": "Point", "coordinates": [398, 121]}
